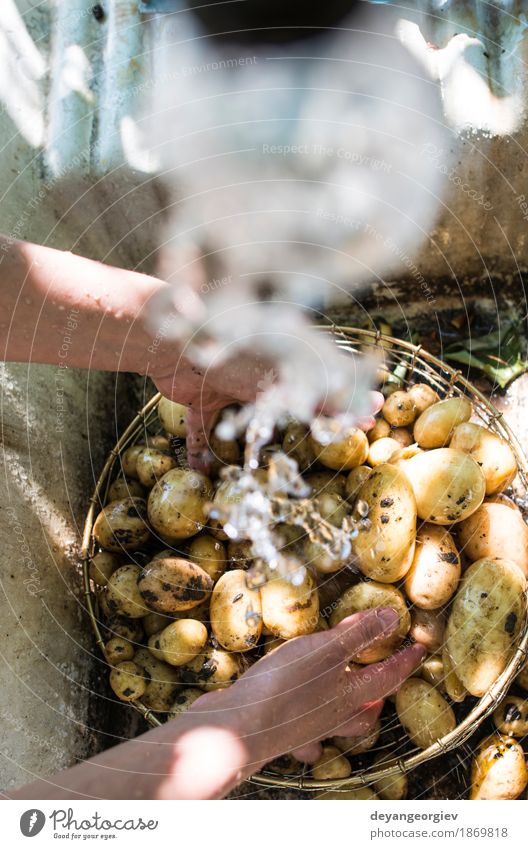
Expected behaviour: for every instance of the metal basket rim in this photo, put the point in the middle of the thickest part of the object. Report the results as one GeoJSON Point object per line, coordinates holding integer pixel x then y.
{"type": "Point", "coordinates": [486, 703]}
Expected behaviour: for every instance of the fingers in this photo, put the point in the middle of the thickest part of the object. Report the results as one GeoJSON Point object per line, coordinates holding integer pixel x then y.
{"type": "Point", "coordinates": [358, 632]}
{"type": "Point", "coordinates": [362, 722]}
{"type": "Point", "coordinates": [308, 754]}
{"type": "Point", "coordinates": [379, 680]}
{"type": "Point", "coordinates": [199, 422]}
{"type": "Point", "coordinates": [368, 422]}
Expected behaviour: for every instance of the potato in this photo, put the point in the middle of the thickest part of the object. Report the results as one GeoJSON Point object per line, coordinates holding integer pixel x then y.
{"type": "Point", "coordinates": [499, 769]}
{"type": "Point", "coordinates": [383, 551]}
{"type": "Point", "coordinates": [511, 717]}
{"type": "Point", "coordinates": [486, 617]}
{"type": "Point", "coordinates": [355, 481]}
{"type": "Point", "coordinates": [358, 744]}
{"type": "Point", "coordinates": [365, 596]}
{"type": "Point", "coordinates": [183, 701]}
{"type": "Point", "coordinates": [239, 553]}
{"type": "Point", "coordinates": [363, 794]}
{"type": "Point", "coordinates": [399, 409]}
{"type": "Point", "coordinates": [129, 459]}
{"type": "Point", "coordinates": [152, 464]}
{"type": "Point", "coordinates": [326, 482]}
{"type": "Point", "coordinates": [380, 430]}
{"type": "Point", "coordinates": [402, 436]}
{"type": "Point", "coordinates": [173, 584]}
{"type": "Point", "coordinates": [153, 623]}
{"type": "Point", "coordinates": [493, 454]}
{"type": "Point", "coordinates": [452, 683]}
{"type": "Point", "coordinates": [448, 485]}
{"type": "Point", "coordinates": [123, 488]}
{"type": "Point", "coordinates": [317, 557]}
{"type": "Point", "coordinates": [435, 569]}
{"type": "Point", "coordinates": [423, 396]}
{"type": "Point", "coordinates": [298, 445]}
{"type": "Point", "coordinates": [382, 450]}
{"type": "Point", "coordinates": [118, 650]}
{"type": "Point", "coordinates": [102, 566]}
{"type": "Point", "coordinates": [209, 554]}
{"type": "Point", "coordinates": [213, 669]}
{"type": "Point", "coordinates": [330, 507]}
{"type": "Point", "coordinates": [228, 493]}
{"type": "Point", "coordinates": [162, 443]}
{"type": "Point", "coordinates": [434, 427]}
{"type": "Point", "coordinates": [224, 452]}
{"type": "Point", "coordinates": [154, 647]}
{"type": "Point", "coordinates": [127, 681]}
{"type": "Point", "coordinates": [427, 628]}
{"type": "Point", "coordinates": [123, 595]}
{"type": "Point", "coordinates": [495, 530]}
{"type": "Point", "coordinates": [182, 640]}
{"type": "Point", "coordinates": [236, 612]}
{"type": "Point", "coordinates": [392, 787]}
{"type": "Point", "coordinates": [172, 417]}
{"type": "Point", "coordinates": [129, 629]}
{"type": "Point", "coordinates": [288, 609]}
{"type": "Point", "coordinates": [344, 453]}
{"type": "Point", "coordinates": [121, 525]}
{"type": "Point", "coordinates": [176, 504]}
{"type": "Point", "coordinates": [162, 681]}
{"type": "Point", "coordinates": [432, 670]}
{"type": "Point", "coordinates": [423, 712]}
{"type": "Point", "coordinates": [331, 765]}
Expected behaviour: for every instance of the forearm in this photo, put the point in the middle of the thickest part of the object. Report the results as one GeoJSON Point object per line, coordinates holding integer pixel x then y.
{"type": "Point", "coordinates": [197, 756]}
{"type": "Point", "coordinates": [67, 310]}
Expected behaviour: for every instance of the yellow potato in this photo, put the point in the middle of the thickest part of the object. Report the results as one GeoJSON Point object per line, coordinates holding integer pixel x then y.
{"type": "Point", "coordinates": [127, 681]}
{"type": "Point", "coordinates": [382, 450]}
{"type": "Point", "coordinates": [173, 417]}
{"type": "Point", "coordinates": [183, 701]}
{"type": "Point", "coordinates": [392, 787]}
{"type": "Point", "coordinates": [213, 669]}
{"type": "Point", "coordinates": [495, 530]}
{"type": "Point", "coordinates": [453, 685]}
{"type": "Point", "coordinates": [448, 485]}
{"type": "Point", "coordinates": [358, 744]}
{"type": "Point", "coordinates": [118, 650]}
{"type": "Point", "coordinates": [236, 612]}
{"type": "Point", "coordinates": [153, 623]}
{"type": "Point", "coordinates": [434, 427]}
{"type": "Point", "coordinates": [423, 712]}
{"type": "Point", "coordinates": [209, 553]}
{"type": "Point", "coordinates": [355, 481]}
{"type": "Point", "coordinates": [102, 566]}
{"type": "Point", "coordinates": [368, 595]}
{"type": "Point", "coordinates": [224, 452]}
{"type": "Point", "coordinates": [493, 454]}
{"type": "Point", "coordinates": [432, 670]}
{"type": "Point", "coordinates": [317, 557]}
{"type": "Point", "coordinates": [485, 620]}
{"type": "Point", "coordinates": [326, 482]}
{"type": "Point", "coordinates": [121, 525]}
{"type": "Point", "coordinates": [402, 435]}
{"type": "Point", "coordinates": [511, 717]}
{"type": "Point", "coordinates": [228, 493]}
{"type": "Point", "coordinates": [344, 453]}
{"type": "Point", "coordinates": [152, 464]}
{"type": "Point", "coordinates": [380, 430]}
{"type": "Point", "coordinates": [435, 569]}
{"type": "Point", "coordinates": [331, 765]}
{"type": "Point", "coordinates": [182, 640]}
{"type": "Point", "coordinates": [124, 488]}
{"type": "Point", "coordinates": [427, 628]}
{"type": "Point", "coordinates": [123, 595]}
{"type": "Point", "coordinates": [499, 769]}
{"type": "Point", "coordinates": [239, 553]}
{"type": "Point", "coordinates": [298, 445]}
{"type": "Point", "coordinates": [399, 409]}
{"type": "Point", "coordinates": [154, 646]}
{"type": "Point", "coordinates": [173, 584]}
{"type": "Point", "coordinates": [128, 629]}
{"type": "Point", "coordinates": [176, 504]}
{"type": "Point", "coordinates": [162, 681]}
{"type": "Point", "coordinates": [129, 459]}
{"type": "Point", "coordinates": [331, 507]}
{"type": "Point", "coordinates": [288, 609]}
{"type": "Point", "coordinates": [384, 549]}
{"type": "Point", "coordinates": [423, 396]}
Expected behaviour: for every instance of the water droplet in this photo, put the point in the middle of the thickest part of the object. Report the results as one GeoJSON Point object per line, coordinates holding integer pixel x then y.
{"type": "Point", "coordinates": [362, 508]}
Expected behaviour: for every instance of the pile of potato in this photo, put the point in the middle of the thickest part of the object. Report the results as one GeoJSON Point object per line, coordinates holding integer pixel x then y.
{"type": "Point", "coordinates": [438, 541]}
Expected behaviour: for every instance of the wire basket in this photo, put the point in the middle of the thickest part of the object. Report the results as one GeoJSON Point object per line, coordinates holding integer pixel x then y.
{"type": "Point", "coordinates": [405, 363]}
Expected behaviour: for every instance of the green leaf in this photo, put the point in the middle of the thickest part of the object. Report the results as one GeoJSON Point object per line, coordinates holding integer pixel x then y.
{"type": "Point", "coordinates": [499, 354]}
